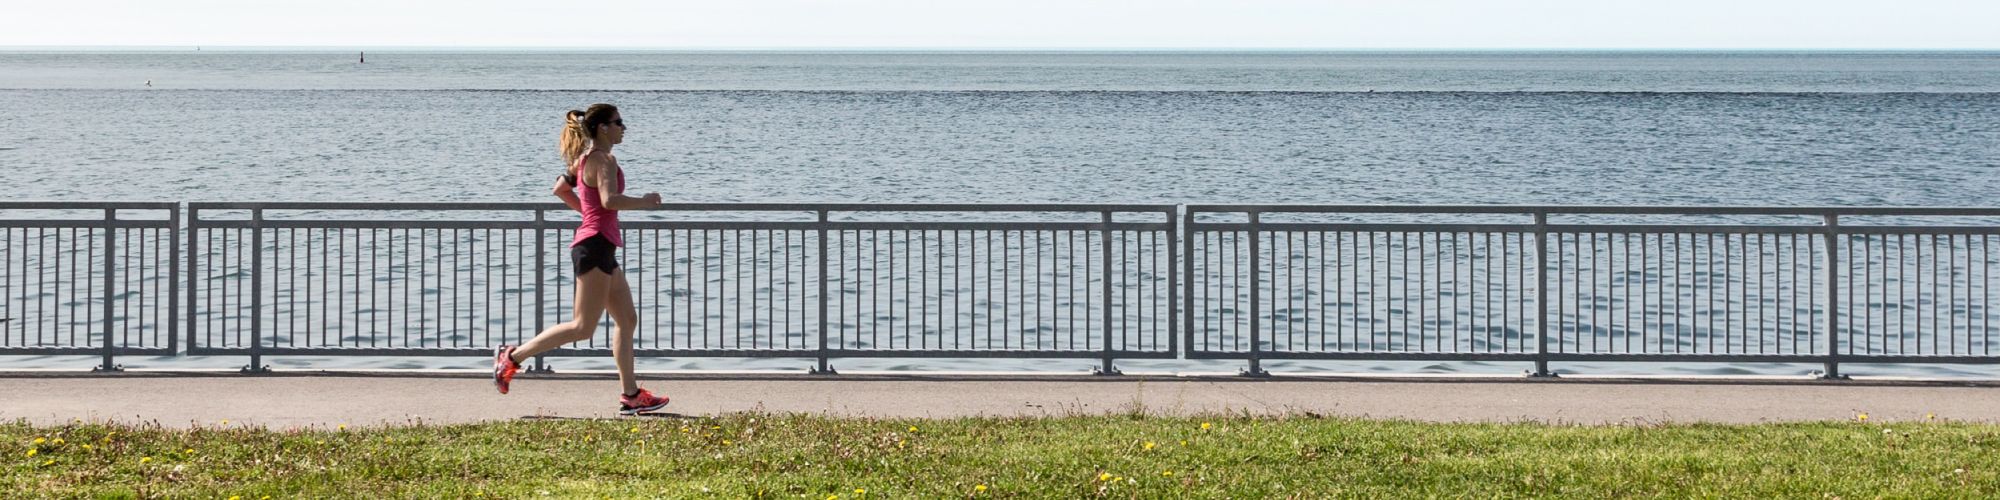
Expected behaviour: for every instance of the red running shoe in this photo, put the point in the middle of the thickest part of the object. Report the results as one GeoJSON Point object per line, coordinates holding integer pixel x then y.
{"type": "Point", "coordinates": [504, 367]}
{"type": "Point", "coordinates": [642, 402]}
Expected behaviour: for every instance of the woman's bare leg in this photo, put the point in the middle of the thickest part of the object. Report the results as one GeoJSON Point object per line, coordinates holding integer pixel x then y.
{"type": "Point", "coordinates": [625, 315]}
{"type": "Point", "coordinates": [591, 292]}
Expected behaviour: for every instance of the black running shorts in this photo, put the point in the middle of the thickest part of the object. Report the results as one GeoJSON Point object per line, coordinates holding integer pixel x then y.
{"type": "Point", "coordinates": [595, 252]}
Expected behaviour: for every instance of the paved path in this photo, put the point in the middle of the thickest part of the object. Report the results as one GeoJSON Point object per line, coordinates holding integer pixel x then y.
{"type": "Point", "coordinates": [296, 400]}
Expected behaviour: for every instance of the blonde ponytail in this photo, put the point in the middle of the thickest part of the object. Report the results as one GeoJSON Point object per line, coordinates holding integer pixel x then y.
{"type": "Point", "coordinates": [573, 139]}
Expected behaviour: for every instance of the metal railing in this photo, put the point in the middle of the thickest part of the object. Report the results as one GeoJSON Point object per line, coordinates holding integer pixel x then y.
{"type": "Point", "coordinates": [1528, 289]}
{"type": "Point", "coordinates": [765, 280]}
{"type": "Point", "coordinates": [1536, 284]}
{"type": "Point", "coordinates": [93, 284]}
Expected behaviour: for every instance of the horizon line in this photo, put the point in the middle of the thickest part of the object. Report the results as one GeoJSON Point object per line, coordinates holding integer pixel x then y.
{"type": "Point", "coordinates": [392, 48]}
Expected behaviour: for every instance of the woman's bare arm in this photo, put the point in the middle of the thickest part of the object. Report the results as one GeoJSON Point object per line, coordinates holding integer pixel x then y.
{"type": "Point", "coordinates": [567, 194]}
{"type": "Point", "coordinates": [604, 171]}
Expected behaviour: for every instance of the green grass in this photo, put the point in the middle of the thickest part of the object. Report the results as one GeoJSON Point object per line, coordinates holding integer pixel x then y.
{"type": "Point", "coordinates": [794, 456]}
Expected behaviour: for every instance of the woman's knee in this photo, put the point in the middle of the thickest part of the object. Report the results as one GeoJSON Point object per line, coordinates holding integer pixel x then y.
{"type": "Point", "coordinates": [582, 330]}
{"type": "Point", "coordinates": [626, 321]}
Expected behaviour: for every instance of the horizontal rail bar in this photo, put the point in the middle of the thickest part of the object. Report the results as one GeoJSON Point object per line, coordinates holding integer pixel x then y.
{"type": "Point", "coordinates": [864, 353]}
{"type": "Point", "coordinates": [693, 207]}
{"type": "Point", "coordinates": [89, 223]}
{"type": "Point", "coordinates": [649, 225]}
{"type": "Point", "coordinates": [86, 351]}
{"type": "Point", "coordinates": [1213, 227]}
{"type": "Point", "coordinates": [370, 224]}
{"type": "Point", "coordinates": [88, 205]}
{"type": "Point", "coordinates": [1360, 356]}
{"type": "Point", "coordinates": [449, 351]}
{"type": "Point", "coordinates": [1982, 230]}
{"type": "Point", "coordinates": [683, 353]}
{"type": "Point", "coordinates": [1599, 209]}
{"type": "Point", "coordinates": [1588, 228]}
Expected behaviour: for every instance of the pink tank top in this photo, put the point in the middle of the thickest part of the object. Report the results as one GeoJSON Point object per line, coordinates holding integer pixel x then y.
{"type": "Point", "coordinates": [597, 220]}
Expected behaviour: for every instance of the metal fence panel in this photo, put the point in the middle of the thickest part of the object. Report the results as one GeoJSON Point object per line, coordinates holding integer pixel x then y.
{"type": "Point", "coordinates": [942, 285]}
{"type": "Point", "coordinates": [1409, 287]}
{"type": "Point", "coordinates": [88, 278]}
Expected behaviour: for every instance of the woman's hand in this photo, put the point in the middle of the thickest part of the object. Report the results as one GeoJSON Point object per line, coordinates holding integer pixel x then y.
{"type": "Point", "coordinates": [651, 199]}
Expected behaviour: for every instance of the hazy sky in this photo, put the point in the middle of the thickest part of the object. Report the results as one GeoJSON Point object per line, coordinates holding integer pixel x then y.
{"type": "Point", "coordinates": [1476, 24]}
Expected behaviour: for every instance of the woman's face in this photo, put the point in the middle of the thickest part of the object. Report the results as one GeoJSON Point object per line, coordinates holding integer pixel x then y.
{"type": "Point", "coordinates": [614, 130]}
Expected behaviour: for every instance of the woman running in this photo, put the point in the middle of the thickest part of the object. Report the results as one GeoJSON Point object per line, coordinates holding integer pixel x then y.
{"type": "Point", "coordinates": [593, 186]}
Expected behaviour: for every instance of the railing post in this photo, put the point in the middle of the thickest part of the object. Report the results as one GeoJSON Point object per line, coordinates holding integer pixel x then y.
{"type": "Point", "coordinates": [1256, 368]}
{"type": "Point", "coordinates": [1187, 311]}
{"type": "Point", "coordinates": [1105, 237]}
{"type": "Point", "coordinates": [1542, 296]}
{"type": "Point", "coordinates": [110, 294]}
{"type": "Point", "coordinates": [256, 294]}
{"type": "Point", "coordinates": [173, 280]}
{"type": "Point", "coordinates": [194, 249]}
{"type": "Point", "coordinates": [824, 368]}
{"type": "Point", "coordinates": [1173, 281]}
{"type": "Point", "coordinates": [1832, 298]}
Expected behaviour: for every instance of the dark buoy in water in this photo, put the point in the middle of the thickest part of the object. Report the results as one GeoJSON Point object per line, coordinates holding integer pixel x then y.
{"type": "Point", "coordinates": [364, 57]}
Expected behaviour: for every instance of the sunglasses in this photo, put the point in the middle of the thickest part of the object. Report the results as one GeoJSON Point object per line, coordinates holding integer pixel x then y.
{"type": "Point", "coordinates": [620, 123]}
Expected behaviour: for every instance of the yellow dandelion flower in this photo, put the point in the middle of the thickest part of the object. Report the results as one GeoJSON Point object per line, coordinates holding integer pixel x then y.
{"type": "Point", "coordinates": [343, 427]}
{"type": "Point", "coordinates": [1862, 417]}
{"type": "Point", "coordinates": [41, 440]}
{"type": "Point", "coordinates": [1104, 476]}
{"type": "Point", "coordinates": [725, 442]}
{"type": "Point", "coordinates": [225, 421]}
{"type": "Point", "coordinates": [1204, 426]}
{"type": "Point", "coordinates": [1149, 446]}
{"type": "Point", "coordinates": [59, 441]}
{"type": "Point", "coordinates": [32, 451]}
{"type": "Point", "coordinates": [913, 428]}
{"type": "Point", "coordinates": [1930, 416]}
{"type": "Point", "coordinates": [684, 429]}
{"type": "Point", "coordinates": [189, 451]}
{"type": "Point", "coordinates": [715, 428]}
{"type": "Point", "coordinates": [1183, 442]}
{"type": "Point", "coordinates": [86, 447]}
{"type": "Point", "coordinates": [265, 497]}
{"type": "Point", "coordinates": [634, 429]}
{"type": "Point", "coordinates": [860, 491]}
{"type": "Point", "coordinates": [981, 487]}
{"type": "Point", "coordinates": [1166, 473]}
{"type": "Point", "coordinates": [145, 459]}
{"type": "Point", "coordinates": [49, 462]}
{"type": "Point", "coordinates": [235, 497]}
{"type": "Point", "coordinates": [314, 442]}
{"type": "Point", "coordinates": [833, 497]}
